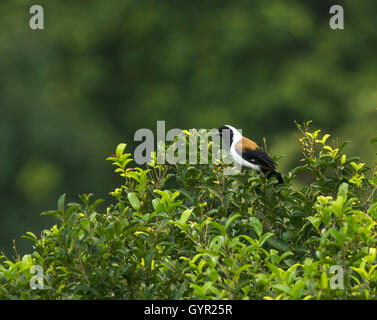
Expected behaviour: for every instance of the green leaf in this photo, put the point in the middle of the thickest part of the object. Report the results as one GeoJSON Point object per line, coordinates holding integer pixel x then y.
{"type": "Point", "coordinates": [130, 230]}
{"type": "Point", "coordinates": [185, 215]}
{"type": "Point", "coordinates": [264, 238]}
{"type": "Point", "coordinates": [343, 159]}
{"type": "Point", "coordinates": [148, 258]}
{"type": "Point", "coordinates": [296, 291]}
{"type": "Point", "coordinates": [324, 280]}
{"type": "Point", "coordinates": [339, 237]}
{"type": "Point", "coordinates": [372, 211]}
{"type": "Point", "coordinates": [324, 138]}
{"type": "Point", "coordinates": [278, 244]}
{"type": "Point", "coordinates": [282, 287]}
{"type": "Point", "coordinates": [120, 148]}
{"type": "Point", "coordinates": [61, 202]}
{"type": "Point", "coordinates": [286, 254]}
{"type": "Point", "coordinates": [187, 195]}
{"type": "Point", "coordinates": [196, 257]}
{"type": "Point", "coordinates": [363, 274]}
{"type": "Point", "coordinates": [85, 224]}
{"type": "Point", "coordinates": [134, 200]}
{"type": "Point", "coordinates": [112, 158]}
{"type": "Point", "coordinates": [206, 286]}
{"type": "Point", "coordinates": [85, 198]}
{"type": "Point", "coordinates": [257, 226]}
{"type": "Point", "coordinates": [343, 189]}
{"type": "Point", "coordinates": [231, 220]}
{"type": "Point", "coordinates": [325, 236]}
{"type": "Point", "coordinates": [27, 259]}
{"type": "Point", "coordinates": [218, 226]}
{"type": "Point", "coordinates": [249, 239]}
{"type": "Point", "coordinates": [81, 234]}
{"type": "Point", "coordinates": [315, 221]}
{"type": "Point", "coordinates": [30, 236]}
{"type": "Point", "coordinates": [69, 212]}
{"type": "Point", "coordinates": [95, 204]}
{"type": "Point", "coordinates": [356, 166]}
{"type": "Point", "coordinates": [155, 203]}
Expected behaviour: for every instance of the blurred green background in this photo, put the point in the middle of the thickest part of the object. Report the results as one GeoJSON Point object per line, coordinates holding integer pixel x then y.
{"type": "Point", "coordinates": [102, 69]}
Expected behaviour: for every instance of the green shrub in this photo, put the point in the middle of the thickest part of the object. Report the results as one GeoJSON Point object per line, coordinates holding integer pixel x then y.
{"type": "Point", "coordinates": [210, 235]}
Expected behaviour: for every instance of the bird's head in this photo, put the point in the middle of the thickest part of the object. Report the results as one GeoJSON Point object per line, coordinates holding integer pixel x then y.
{"type": "Point", "coordinates": [229, 134]}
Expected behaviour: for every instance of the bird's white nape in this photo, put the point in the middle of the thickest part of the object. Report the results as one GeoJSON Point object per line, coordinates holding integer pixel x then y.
{"type": "Point", "coordinates": [236, 134]}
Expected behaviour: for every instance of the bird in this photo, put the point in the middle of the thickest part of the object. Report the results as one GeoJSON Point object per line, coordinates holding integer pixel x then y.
{"type": "Point", "coordinates": [247, 153]}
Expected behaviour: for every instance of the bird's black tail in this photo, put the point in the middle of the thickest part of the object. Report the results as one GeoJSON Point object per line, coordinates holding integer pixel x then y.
{"type": "Point", "coordinates": [277, 175]}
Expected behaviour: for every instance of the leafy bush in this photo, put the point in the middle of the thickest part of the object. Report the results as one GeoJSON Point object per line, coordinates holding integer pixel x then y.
{"type": "Point", "coordinates": [210, 235]}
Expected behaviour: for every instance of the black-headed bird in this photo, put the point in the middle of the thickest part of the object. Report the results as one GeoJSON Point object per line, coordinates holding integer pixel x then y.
{"type": "Point", "coordinates": [247, 153]}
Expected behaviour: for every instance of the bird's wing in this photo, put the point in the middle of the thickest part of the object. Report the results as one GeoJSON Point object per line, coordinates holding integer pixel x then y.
{"type": "Point", "coordinates": [250, 151]}
{"type": "Point", "coordinates": [259, 157]}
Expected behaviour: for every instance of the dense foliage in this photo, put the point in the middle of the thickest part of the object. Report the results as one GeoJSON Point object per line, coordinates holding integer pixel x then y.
{"type": "Point", "coordinates": [211, 235]}
{"type": "Point", "coordinates": [102, 69]}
